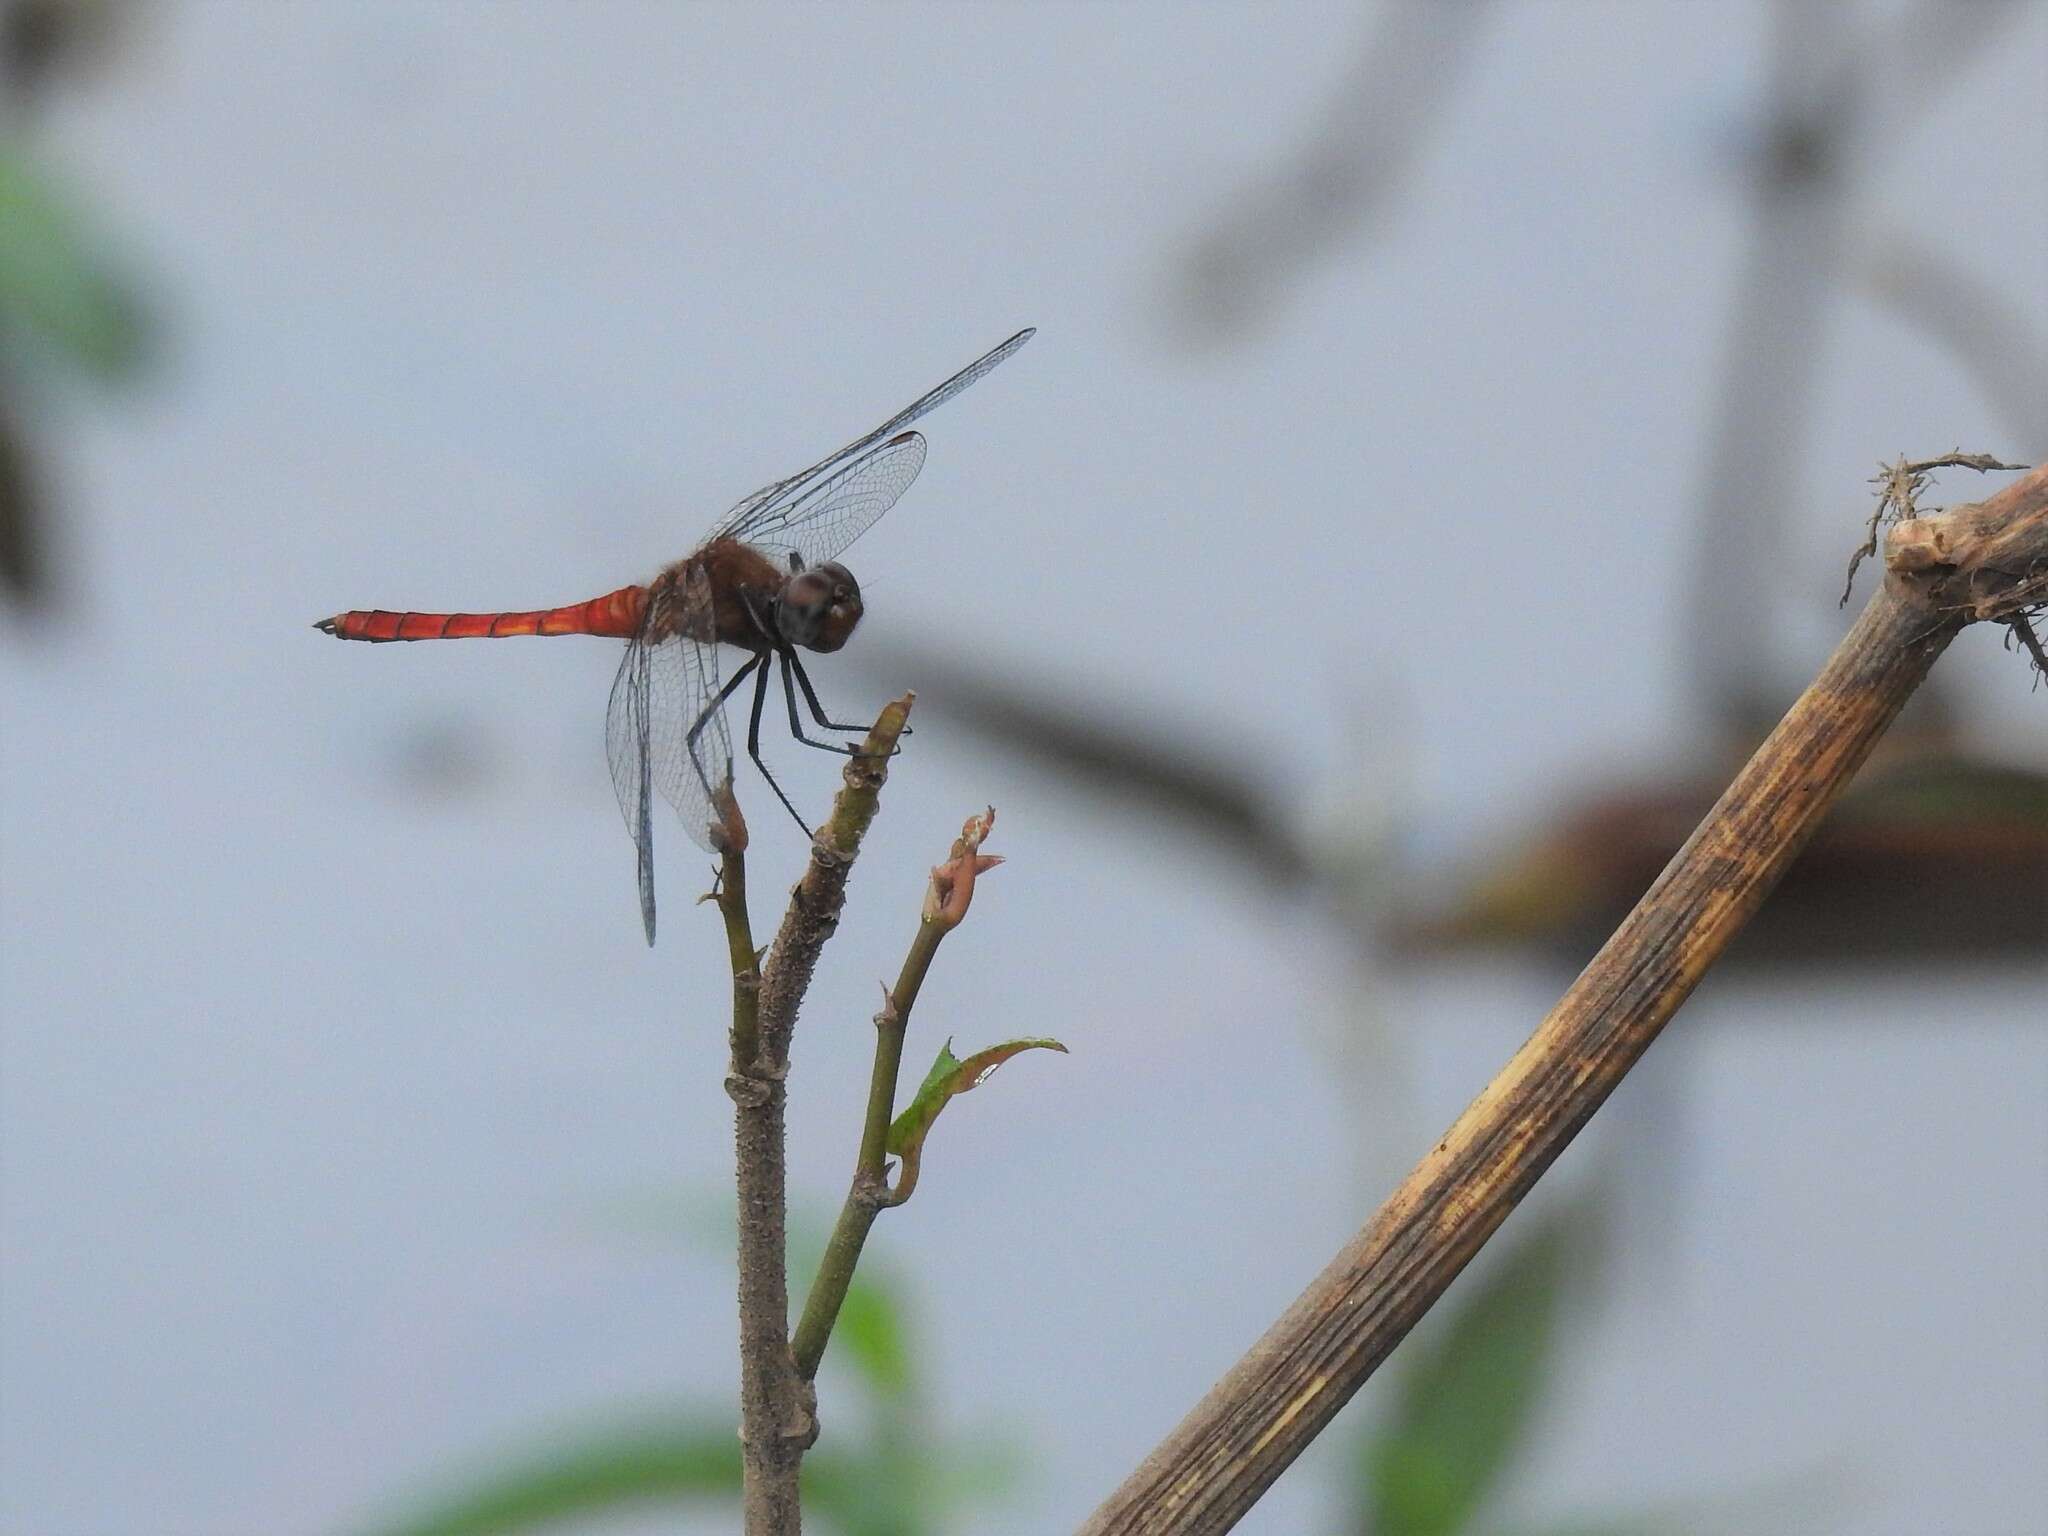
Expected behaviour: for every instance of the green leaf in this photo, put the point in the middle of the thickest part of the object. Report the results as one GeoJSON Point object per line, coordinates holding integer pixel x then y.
{"type": "Point", "coordinates": [1468, 1396]}
{"type": "Point", "coordinates": [52, 284]}
{"type": "Point", "coordinates": [949, 1076]}
{"type": "Point", "coordinates": [686, 1460]}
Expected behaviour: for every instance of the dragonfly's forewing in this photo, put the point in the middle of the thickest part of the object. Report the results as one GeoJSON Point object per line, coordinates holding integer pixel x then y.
{"type": "Point", "coordinates": [762, 508]}
{"type": "Point", "coordinates": [833, 511]}
{"type": "Point", "coordinates": [664, 729]}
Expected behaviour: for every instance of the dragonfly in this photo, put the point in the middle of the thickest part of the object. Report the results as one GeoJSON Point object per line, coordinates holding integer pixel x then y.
{"type": "Point", "coordinates": [766, 580]}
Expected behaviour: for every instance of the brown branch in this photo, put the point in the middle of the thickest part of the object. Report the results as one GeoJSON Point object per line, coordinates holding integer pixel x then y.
{"type": "Point", "coordinates": [778, 1409]}
{"type": "Point", "coordinates": [1899, 485]}
{"type": "Point", "coordinates": [1984, 561]}
{"type": "Point", "coordinates": [773, 1417]}
{"type": "Point", "coordinates": [946, 903]}
{"type": "Point", "coordinates": [815, 903]}
{"type": "Point", "coordinates": [1209, 1471]}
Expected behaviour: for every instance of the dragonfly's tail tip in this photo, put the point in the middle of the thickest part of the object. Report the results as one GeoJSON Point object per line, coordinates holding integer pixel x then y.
{"type": "Point", "coordinates": [327, 626]}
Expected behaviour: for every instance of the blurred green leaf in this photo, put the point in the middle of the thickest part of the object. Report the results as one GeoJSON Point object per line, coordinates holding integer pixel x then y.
{"type": "Point", "coordinates": [51, 283]}
{"type": "Point", "coordinates": [891, 1472]}
{"type": "Point", "coordinates": [870, 1495]}
{"type": "Point", "coordinates": [908, 1486]}
{"type": "Point", "coordinates": [880, 1493]}
{"type": "Point", "coordinates": [949, 1076]}
{"type": "Point", "coordinates": [687, 1460]}
{"type": "Point", "coordinates": [974, 1470]}
{"type": "Point", "coordinates": [1468, 1397]}
{"type": "Point", "coordinates": [873, 1335]}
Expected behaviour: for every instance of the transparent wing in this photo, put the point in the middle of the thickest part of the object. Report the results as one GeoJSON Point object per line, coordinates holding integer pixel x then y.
{"type": "Point", "coordinates": [819, 522]}
{"type": "Point", "coordinates": [766, 500]}
{"type": "Point", "coordinates": [626, 737]}
{"type": "Point", "coordinates": [689, 746]}
{"type": "Point", "coordinates": [666, 690]}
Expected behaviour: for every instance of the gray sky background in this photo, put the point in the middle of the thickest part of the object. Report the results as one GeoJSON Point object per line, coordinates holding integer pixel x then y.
{"type": "Point", "coordinates": [331, 1049]}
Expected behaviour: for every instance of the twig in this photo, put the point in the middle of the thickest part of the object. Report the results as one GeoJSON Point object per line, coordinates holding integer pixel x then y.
{"type": "Point", "coordinates": [772, 1430]}
{"type": "Point", "coordinates": [2023, 633]}
{"type": "Point", "coordinates": [1981, 562]}
{"type": "Point", "coordinates": [814, 904]}
{"type": "Point", "coordinates": [946, 902]}
{"type": "Point", "coordinates": [778, 1409]}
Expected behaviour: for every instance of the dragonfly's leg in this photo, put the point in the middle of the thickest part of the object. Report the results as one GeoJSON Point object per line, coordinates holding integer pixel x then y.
{"type": "Point", "coordinates": [754, 742]}
{"type": "Point", "coordinates": [703, 719]}
{"type": "Point", "coordinates": [796, 726]}
{"type": "Point", "coordinates": [732, 683]}
{"type": "Point", "coordinates": [790, 662]}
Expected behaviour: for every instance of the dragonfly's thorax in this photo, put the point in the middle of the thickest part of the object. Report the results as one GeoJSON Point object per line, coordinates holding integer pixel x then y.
{"type": "Point", "coordinates": [818, 608]}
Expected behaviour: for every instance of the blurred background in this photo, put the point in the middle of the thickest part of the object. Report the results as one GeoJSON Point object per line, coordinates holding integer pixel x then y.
{"type": "Point", "coordinates": [1437, 464]}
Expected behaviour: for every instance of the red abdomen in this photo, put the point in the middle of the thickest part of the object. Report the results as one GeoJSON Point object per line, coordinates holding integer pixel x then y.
{"type": "Point", "coordinates": [617, 614]}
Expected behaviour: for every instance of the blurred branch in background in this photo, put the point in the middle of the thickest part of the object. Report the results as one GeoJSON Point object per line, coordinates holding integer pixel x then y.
{"type": "Point", "coordinates": [1830, 105]}
{"type": "Point", "coordinates": [1793, 165]}
{"type": "Point", "coordinates": [1974, 323]}
{"type": "Point", "coordinates": [24, 562]}
{"type": "Point", "coordinates": [1968, 835]}
{"type": "Point", "coordinates": [1833, 103]}
{"type": "Point", "coordinates": [1969, 839]}
{"type": "Point", "coordinates": [42, 40]}
{"type": "Point", "coordinates": [1183, 778]}
{"type": "Point", "coordinates": [1342, 178]}
{"type": "Point", "coordinates": [62, 306]}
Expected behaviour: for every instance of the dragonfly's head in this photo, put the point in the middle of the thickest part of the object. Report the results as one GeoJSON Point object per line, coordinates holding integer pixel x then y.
{"type": "Point", "coordinates": [819, 607]}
